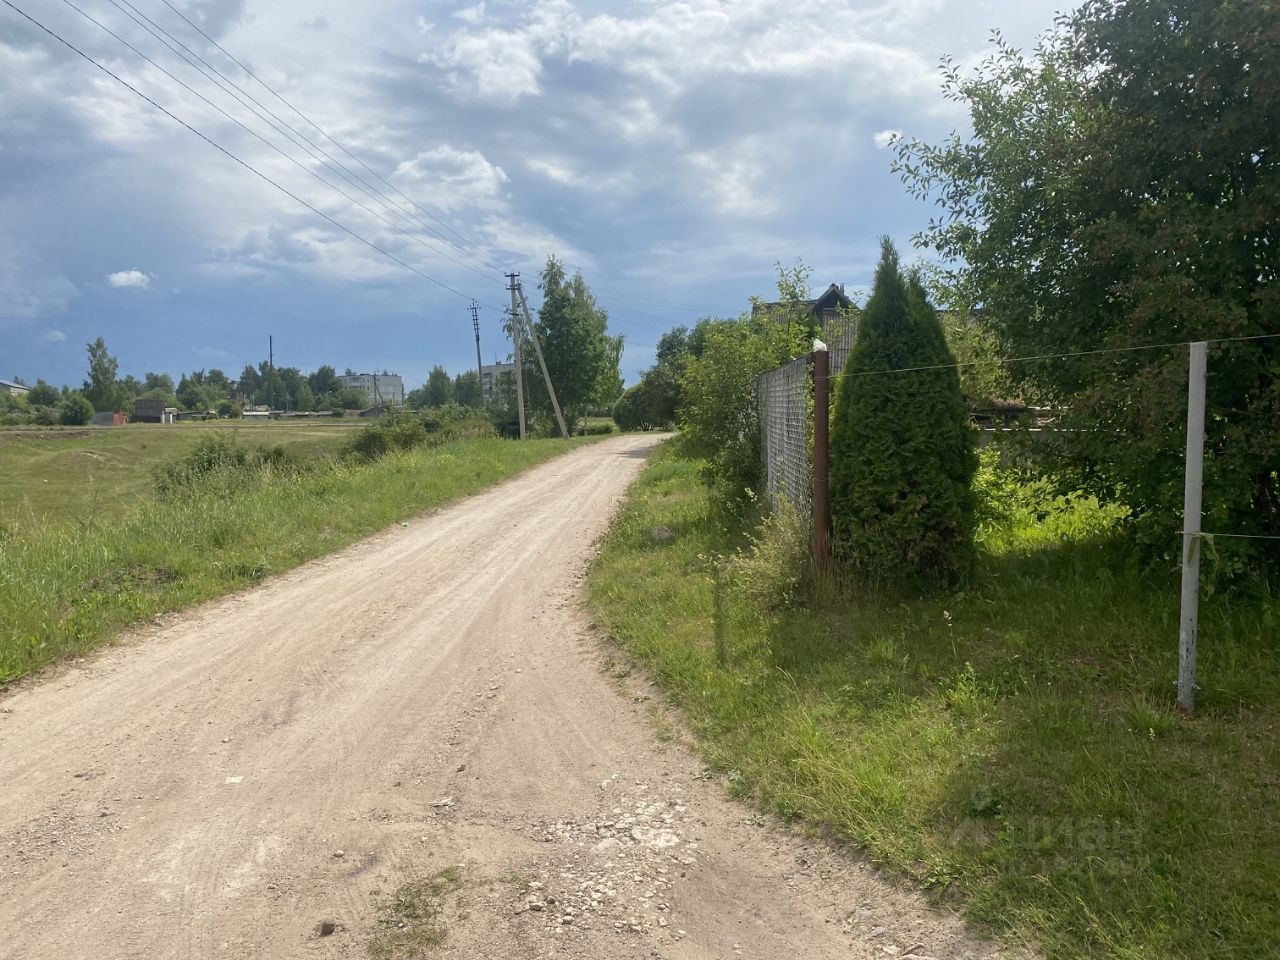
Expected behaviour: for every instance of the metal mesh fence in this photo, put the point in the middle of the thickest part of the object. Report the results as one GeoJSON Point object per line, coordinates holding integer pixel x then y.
{"type": "Point", "coordinates": [841, 345]}
{"type": "Point", "coordinates": [782, 397]}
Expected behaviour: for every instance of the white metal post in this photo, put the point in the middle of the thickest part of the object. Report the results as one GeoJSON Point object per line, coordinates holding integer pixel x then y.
{"type": "Point", "coordinates": [1191, 509]}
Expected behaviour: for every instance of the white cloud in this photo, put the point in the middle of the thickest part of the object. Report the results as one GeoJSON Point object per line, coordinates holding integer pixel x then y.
{"type": "Point", "coordinates": [448, 179]}
{"type": "Point", "coordinates": [129, 278]}
{"type": "Point", "coordinates": [54, 336]}
{"type": "Point", "coordinates": [883, 138]}
{"type": "Point", "coordinates": [471, 15]}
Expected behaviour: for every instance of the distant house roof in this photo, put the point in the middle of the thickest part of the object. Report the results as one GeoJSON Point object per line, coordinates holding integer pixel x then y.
{"type": "Point", "coordinates": [823, 306]}
{"type": "Point", "coordinates": [11, 386]}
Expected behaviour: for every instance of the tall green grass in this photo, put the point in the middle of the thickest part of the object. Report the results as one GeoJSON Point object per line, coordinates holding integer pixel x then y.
{"type": "Point", "coordinates": [1014, 745]}
{"type": "Point", "coordinates": [64, 589]}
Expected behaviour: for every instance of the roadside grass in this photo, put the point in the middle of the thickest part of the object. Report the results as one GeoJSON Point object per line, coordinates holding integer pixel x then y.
{"type": "Point", "coordinates": [1013, 746]}
{"type": "Point", "coordinates": [87, 474]}
{"type": "Point", "coordinates": [409, 923]}
{"type": "Point", "coordinates": [66, 588]}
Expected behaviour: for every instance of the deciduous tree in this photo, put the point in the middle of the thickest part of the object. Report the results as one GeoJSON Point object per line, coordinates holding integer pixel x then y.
{"type": "Point", "coordinates": [1122, 188]}
{"type": "Point", "coordinates": [101, 389]}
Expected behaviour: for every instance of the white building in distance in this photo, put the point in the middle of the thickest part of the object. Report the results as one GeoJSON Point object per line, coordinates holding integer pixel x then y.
{"type": "Point", "coordinates": [380, 389]}
{"type": "Point", "coordinates": [489, 374]}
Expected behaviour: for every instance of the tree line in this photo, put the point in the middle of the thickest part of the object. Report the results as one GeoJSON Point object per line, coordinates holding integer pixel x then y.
{"type": "Point", "coordinates": [582, 359]}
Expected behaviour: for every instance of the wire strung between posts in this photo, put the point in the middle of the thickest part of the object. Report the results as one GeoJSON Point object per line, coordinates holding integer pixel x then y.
{"type": "Point", "coordinates": [1232, 536]}
{"type": "Point", "coordinates": [223, 150]}
{"type": "Point", "coordinates": [1049, 356]}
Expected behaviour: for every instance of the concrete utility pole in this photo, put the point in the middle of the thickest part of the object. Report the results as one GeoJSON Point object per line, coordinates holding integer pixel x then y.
{"type": "Point", "coordinates": [537, 349]}
{"type": "Point", "coordinates": [271, 374]}
{"type": "Point", "coordinates": [1188, 624]}
{"type": "Point", "coordinates": [475, 325]}
{"type": "Point", "coordinates": [515, 340]}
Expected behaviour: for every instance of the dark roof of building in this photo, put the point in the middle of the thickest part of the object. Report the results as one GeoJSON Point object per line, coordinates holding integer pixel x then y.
{"type": "Point", "coordinates": [831, 298]}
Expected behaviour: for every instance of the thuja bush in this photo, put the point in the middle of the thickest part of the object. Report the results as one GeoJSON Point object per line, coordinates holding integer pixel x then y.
{"type": "Point", "coordinates": [902, 450]}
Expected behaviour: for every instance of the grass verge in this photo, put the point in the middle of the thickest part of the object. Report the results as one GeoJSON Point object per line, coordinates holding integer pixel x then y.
{"type": "Point", "coordinates": [86, 475]}
{"type": "Point", "coordinates": [1013, 746]}
{"type": "Point", "coordinates": [65, 589]}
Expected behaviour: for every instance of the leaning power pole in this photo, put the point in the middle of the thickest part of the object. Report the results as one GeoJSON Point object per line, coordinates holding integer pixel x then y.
{"type": "Point", "coordinates": [537, 349]}
{"type": "Point", "coordinates": [515, 340]}
{"type": "Point", "coordinates": [475, 325]}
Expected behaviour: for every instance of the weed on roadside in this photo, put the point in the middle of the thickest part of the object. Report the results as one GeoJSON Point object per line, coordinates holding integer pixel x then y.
{"type": "Point", "coordinates": [409, 923]}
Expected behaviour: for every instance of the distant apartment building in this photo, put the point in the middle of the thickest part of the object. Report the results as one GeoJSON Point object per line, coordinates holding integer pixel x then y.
{"type": "Point", "coordinates": [489, 375]}
{"type": "Point", "coordinates": [380, 389]}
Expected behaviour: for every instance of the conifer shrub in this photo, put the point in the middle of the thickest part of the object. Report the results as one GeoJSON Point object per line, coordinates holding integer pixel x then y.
{"type": "Point", "coordinates": [902, 450]}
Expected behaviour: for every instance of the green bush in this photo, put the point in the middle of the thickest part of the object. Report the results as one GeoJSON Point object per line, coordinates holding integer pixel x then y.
{"type": "Point", "coordinates": [599, 429]}
{"type": "Point", "coordinates": [902, 453]}
{"type": "Point", "coordinates": [432, 427]}
{"type": "Point", "coordinates": [393, 432]}
{"type": "Point", "coordinates": [718, 415]}
{"type": "Point", "coordinates": [76, 410]}
{"type": "Point", "coordinates": [213, 453]}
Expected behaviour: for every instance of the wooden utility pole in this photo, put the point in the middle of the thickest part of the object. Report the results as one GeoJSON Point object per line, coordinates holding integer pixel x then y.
{"type": "Point", "coordinates": [515, 340]}
{"type": "Point", "coordinates": [537, 349]}
{"type": "Point", "coordinates": [1188, 623]}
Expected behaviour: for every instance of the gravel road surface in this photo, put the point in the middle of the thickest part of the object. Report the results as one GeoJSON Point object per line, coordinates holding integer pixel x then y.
{"type": "Point", "coordinates": [414, 747]}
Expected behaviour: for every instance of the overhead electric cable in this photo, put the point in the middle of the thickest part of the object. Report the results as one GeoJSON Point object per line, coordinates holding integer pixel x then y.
{"type": "Point", "coordinates": [330, 137]}
{"type": "Point", "coordinates": [223, 150]}
{"type": "Point", "coordinates": [997, 361]}
{"type": "Point", "coordinates": [273, 120]}
{"type": "Point", "coordinates": [267, 142]}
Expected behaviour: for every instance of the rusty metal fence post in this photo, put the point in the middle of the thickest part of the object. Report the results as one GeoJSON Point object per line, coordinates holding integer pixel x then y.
{"type": "Point", "coordinates": [820, 524]}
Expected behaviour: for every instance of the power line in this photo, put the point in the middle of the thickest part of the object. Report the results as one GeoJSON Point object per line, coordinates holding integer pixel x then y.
{"type": "Point", "coordinates": [1236, 536]}
{"type": "Point", "coordinates": [258, 108]}
{"type": "Point", "coordinates": [1050, 356]}
{"type": "Point", "coordinates": [329, 136]}
{"type": "Point", "coordinates": [223, 150]}
{"type": "Point", "coordinates": [257, 135]}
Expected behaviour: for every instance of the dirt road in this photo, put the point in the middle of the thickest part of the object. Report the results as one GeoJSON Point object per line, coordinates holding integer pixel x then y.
{"type": "Point", "coordinates": [413, 744]}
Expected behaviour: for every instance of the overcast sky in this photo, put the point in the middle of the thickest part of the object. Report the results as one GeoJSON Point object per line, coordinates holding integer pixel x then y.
{"type": "Point", "coordinates": [673, 151]}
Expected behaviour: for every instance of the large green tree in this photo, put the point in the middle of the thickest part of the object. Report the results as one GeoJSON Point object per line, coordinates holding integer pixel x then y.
{"type": "Point", "coordinates": [902, 454]}
{"type": "Point", "coordinates": [44, 395]}
{"type": "Point", "coordinates": [101, 388]}
{"type": "Point", "coordinates": [438, 389]}
{"type": "Point", "coordinates": [466, 389]}
{"type": "Point", "coordinates": [1121, 188]}
{"type": "Point", "coordinates": [582, 359]}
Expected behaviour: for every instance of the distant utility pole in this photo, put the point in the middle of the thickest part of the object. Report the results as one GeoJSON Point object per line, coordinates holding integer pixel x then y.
{"type": "Point", "coordinates": [271, 373]}
{"type": "Point", "coordinates": [475, 325]}
{"type": "Point", "coordinates": [515, 340]}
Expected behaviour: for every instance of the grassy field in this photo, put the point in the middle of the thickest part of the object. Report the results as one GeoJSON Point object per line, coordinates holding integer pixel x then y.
{"type": "Point", "coordinates": [86, 474]}
{"type": "Point", "coordinates": [65, 587]}
{"type": "Point", "coordinates": [1014, 746]}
